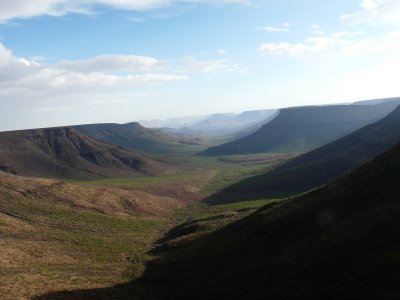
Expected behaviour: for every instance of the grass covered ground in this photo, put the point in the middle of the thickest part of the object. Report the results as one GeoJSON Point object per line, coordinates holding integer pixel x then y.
{"type": "Point", "coordinates": [94, 234]}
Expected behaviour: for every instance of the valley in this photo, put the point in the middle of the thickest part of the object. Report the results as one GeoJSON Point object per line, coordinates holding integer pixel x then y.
{"type": "Point", "coordinates": [84, 234]}
{"type": "Point", "coordinates": [83, 217]}
{"type": "Point", "coordinates": [199, 150]}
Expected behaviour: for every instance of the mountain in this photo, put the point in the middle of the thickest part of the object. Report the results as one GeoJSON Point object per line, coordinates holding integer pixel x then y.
{"type": "Point", "coordinates": [337, 242]}
{"type": "Point", "coordinates": [67, 153]}
{"type": "Point", "coordinates": [304, 128]}
{"type": "Point", "coordinates": [378, 101]}
{"type": "Point", "coordinates": [134, 136]}
{"type": "Point", "coordinates": [223, 123]}
{"type": "Point", "coordinates": [178, 122]}
{"type": "Point", "coordinates": [321, 165]}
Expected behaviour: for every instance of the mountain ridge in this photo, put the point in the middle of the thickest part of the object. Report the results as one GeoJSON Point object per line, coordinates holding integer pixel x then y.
{"type": "Point", "coordinates": [320, 165]}
{"type": "Point", "coordinates": [304, 128]}
{"type": "Point", "coordinates": [64, 152]}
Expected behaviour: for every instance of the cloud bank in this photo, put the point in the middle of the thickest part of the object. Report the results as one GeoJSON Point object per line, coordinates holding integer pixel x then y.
{"type": "Point", "coordinates": [20, 77]}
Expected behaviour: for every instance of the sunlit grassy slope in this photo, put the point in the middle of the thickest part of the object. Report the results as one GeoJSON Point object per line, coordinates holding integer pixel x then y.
{"type": "Point", "coordinates": [87, 234]}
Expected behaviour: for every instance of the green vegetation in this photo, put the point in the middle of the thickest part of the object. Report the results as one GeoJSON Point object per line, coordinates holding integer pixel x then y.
{"type": "Point", "coordinates": [67, 153]}
{"type": "Point", "coordinates": [319, 166]}
{"type": "Point", "coordinates": [304, 128]}
{"type": "Point", "coordinates": [58, 236]}
{"type": "Point", "coordinates": [338, 242]}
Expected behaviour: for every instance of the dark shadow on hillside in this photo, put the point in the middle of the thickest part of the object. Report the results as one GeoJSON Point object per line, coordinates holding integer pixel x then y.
{"type": "Point", "coordinates": [318, 167]}
{"type": "Point", "coordinates": [251, 189]}
{"type": "Point", "coordinates": [338, 242]}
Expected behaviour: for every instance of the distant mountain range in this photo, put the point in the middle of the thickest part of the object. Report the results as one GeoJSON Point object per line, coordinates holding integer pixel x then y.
{"type": "Point", "coordinates": [321, 165]}
{"type": "Point", "coordinates": [67, 153]}
{"type": "Point", "coordinates": [302, 129]}
{"type": "Point", "coordinates": [227, 122]}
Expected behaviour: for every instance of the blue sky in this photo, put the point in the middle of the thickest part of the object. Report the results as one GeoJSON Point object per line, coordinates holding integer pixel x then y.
{"type": "Point", "coordinates": [87, 61]}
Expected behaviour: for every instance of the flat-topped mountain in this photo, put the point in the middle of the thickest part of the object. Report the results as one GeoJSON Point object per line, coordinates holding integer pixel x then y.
{"type": "Point", "coordinates": [67, 153]}
{"type": "Point", "coordinates": [321, 165]}
{"type": "Point", "coordinates": [133, 136]}
{"type": "Point", "coordinates": [304, 128]}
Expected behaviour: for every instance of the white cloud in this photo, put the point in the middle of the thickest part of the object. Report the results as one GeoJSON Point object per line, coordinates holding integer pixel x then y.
{"type": "Point", "coordinates": [347, 34]}
{"type": "Point", "coordinates": [20, 77]}
{"type": "Point", "coordinates": [211, 66]}
{"type": "Point", "coordinates": [109, 63]}
{"type": "Point", "coordinates": [274, 29]}
{"type": "Point", "coordinates": [316, 30]}
{"type": "Point", "coordinates": [340, 43]}
{"type": "Point", "coordinates": [285, 28]}
{"type": "Point", "coordinates": [221, 51]}
{"type": "Point", "coordinates": [26, 9]}
{"type": "Point", "coordinates": [375, 12]}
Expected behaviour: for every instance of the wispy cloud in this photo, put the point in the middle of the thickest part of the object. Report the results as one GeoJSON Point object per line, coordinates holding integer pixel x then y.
{"type": "Point", "coordinates": [110, 63]}
{"type": "Point", "coordinates": [25, 9]}
{"type": "Point", "coordinates": [284, 28]}
{"type": "Point", "coordinates": [135, 19]}
{"type": "Point", "coordinates": [316, 30]}
{"type": "Point", "coordinates": [221, 51]}
{"type": "Point", "coordinates": [211, 66]}
{"type": "Point", "coordinates": [375, 12]}
{"type": "Point", "coordinates": [340, 43]}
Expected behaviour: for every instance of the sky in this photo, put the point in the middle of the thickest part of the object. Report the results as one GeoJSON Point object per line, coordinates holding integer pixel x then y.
{"type": "Point", "coordinates": [67, 62]}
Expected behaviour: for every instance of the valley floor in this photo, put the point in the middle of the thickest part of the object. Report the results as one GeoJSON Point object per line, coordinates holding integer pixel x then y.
{"type": "Point", "coordinates": [54, 243]}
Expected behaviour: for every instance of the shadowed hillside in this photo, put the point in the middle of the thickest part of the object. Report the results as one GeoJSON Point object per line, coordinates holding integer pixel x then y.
{"type": "Point", "coordinates": [338, 242]}
{"type": "Point", "coordinates": [66, 153]}
{"type": "Point", "coordinates": [320, 165]}
{"type": "Point", "coordinates": [134, 136]}
{"type": "Point", "coordinates": [305, 128]}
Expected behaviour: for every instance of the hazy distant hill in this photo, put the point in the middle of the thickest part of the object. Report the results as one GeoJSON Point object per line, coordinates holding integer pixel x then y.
{"type": "Point", "coordinates": [221, 122]}
{"type": "Point", "coordinates": [226, 122]}
{"type": "Point", "coordinates": [339, 242]}
{"type": "Point", "coordinates": [134, 136]}
{"type": "Point", "coordinates": [305, 128]}
{"type": "Point", "coordinates": [67, 153]}
{"type": "Point", "coordinates": [320, 165]}
{"type": "Point", "coordinates": [378, 101]}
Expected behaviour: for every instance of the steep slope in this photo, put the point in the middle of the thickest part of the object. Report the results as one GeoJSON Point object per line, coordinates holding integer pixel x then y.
{"type": "Point", "coordinates": [132, 135]}
{"type": "Point", "coordinates": [55, 235]}
{"type": "Point", "coordinates": [320, 165]}
{"type": "Point", "coordinates": [338, 242]}
{"type": "Point", "coordinates": [305, 128]}
{"type": "Point", "coordinates": [66, 153]}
